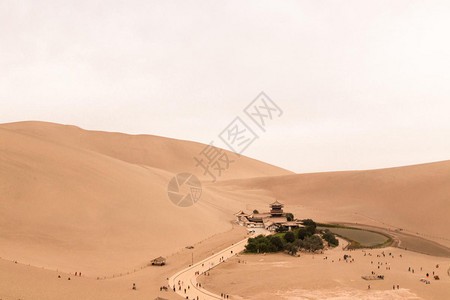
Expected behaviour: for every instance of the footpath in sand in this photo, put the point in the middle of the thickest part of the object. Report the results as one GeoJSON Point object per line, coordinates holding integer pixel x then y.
{"type": "Point", "coordinates": [185, 282]}
{"type": "Point", "coordinates": [20, 281]}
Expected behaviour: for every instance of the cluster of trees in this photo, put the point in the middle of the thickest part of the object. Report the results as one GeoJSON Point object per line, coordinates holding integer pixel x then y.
{"type": "Point", "coordinates": [311, 228]}
{"type": "Point", "coordinates": [328, 236]}
{"type": "Point", "coordinates": [310, 243]}
{"type": "Point", "coordinates": [308, 230]}
{"type": "Point", "coordinates": [262, 244]}
{"type": "Point", "coordinates": [291, 241]}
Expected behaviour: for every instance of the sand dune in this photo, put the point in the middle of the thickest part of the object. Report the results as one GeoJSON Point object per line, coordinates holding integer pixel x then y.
{"type": "Point", "coordinates": [97, 202]}
{"type": "Point", "coordinates": [413, 198]}
{"type": "Point", "coordinates": [167, 154]}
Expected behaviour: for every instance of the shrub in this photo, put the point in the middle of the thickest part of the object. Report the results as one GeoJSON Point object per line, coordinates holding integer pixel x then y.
{"type": "Point", "coordinates": [255, 211]}
{"type": "Point", "coordinates": [298, 243]}
{"type": "Point", "coordinates": [291, 248]}
{"type": "Point", "coordinates": [309, 222]}
{"type": "Point", "coordinates": [281, 229]}
{"type": "Point", "coordinates": [313, 243]}
{"type": "Point", "coordinates": [302, 233]}
{"type": "Point", "coordinates": [330, 238]}
{"type": "Point", "coordinates": [289, 237]}
{"type": "Point", "coordinates": [310, 230]}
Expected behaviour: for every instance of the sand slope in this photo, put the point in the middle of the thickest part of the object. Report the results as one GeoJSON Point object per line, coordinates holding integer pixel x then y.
{"type": "Point", "coordinates": [328, 276]}
{"type": "Point", "coordinates": [158, 152]}
{"type": "Point", "coordinates": [97, 202]}
{"type": "Point", "coordinates": [414, 198]}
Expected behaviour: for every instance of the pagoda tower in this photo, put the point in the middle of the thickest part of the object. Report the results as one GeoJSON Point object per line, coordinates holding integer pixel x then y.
{"type": "Point", "coordinates": [276, 209]}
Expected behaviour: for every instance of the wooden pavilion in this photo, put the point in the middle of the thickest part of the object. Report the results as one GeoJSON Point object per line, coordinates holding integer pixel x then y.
{"type": "Point", "coordinates": [159, 261]}
{"type": "Point", "coordinates": [276, 209]}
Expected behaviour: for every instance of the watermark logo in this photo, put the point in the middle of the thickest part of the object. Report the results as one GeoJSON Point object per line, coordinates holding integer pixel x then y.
{"type": "Point", "coordinates": [213, 161]}
{"type": "Point", "coordinates": [261, 110]}
{"type": "Point", "coordinates": [238, 136]}
{"type": "Point", "coordinates": [184, 189]}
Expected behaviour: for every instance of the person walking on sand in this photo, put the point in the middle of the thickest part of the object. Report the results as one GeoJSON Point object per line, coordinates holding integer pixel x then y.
{"type": "Point", "coordinates": [368, 287]}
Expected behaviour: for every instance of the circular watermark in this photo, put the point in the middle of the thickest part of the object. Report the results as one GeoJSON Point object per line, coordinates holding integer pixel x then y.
{"type": "Point", "coordinates": [184, 189]}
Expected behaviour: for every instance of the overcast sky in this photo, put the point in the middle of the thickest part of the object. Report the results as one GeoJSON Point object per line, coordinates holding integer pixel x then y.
{"type": "Point", "coordinates": [362, 84]}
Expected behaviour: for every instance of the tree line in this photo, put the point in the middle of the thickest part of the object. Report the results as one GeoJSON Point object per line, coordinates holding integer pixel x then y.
{"type": "Point", "coordinates": [292, 241]}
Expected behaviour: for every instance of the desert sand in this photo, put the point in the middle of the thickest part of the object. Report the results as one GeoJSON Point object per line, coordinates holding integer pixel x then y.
{"type": "Point", "coordinates": [328, 276]}
{"type": "Point", "coordinates": [20, 281]}
{"type": "Point", "coordinates": [73, 200]}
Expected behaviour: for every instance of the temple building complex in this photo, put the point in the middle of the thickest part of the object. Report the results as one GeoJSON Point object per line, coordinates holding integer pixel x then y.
{"type": "Point", "coordinates": [270, 220]}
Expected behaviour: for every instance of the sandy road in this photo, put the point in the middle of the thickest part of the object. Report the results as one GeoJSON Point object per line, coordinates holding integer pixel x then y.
{"type": "Point", "coordinates": [188, 276]}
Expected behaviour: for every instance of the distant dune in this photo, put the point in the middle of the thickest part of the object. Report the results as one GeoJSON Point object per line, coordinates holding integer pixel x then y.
{"type": "Point", "coordinates": [414, 198]}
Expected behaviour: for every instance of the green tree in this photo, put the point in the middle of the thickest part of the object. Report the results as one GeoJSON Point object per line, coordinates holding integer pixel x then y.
{"type": "Point", "coordinates": [313, 243]}
{"type": "Point", "coordinates": [309, 222]}
{"type": "Point", "coordinates": [276, 241]}
{"type": "Point", "coordinates": [310, 230]}
{"type": "Point", "coordinates": [291, 248]}
{"type": "Point", "coordinates": [262, 247]}
{"type": "Point", "coordinates": [298, 243]}
{"type": "Point", "coordinates": [302, 233]}
{"type": "Point", "coordinates": [251, 247]}
{"type": "Point", "coordinates": [261, 244]}
{"type": "Point", "coordinates": [289, 237]}
{"type": "Point", "coordinates": [330, 238]}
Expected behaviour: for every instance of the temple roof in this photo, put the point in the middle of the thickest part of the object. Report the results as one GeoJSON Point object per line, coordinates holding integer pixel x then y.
{"type": "Point", "coordinates": [278, 220]}
{"type": "Point", "coordinates": [158, 259]}
{"type": "Point", "coordinates": [276, 203]}
{"type": "Point", "coordinates": [268, 223]}
{"type": "Point", "coordinates": [241, 213]}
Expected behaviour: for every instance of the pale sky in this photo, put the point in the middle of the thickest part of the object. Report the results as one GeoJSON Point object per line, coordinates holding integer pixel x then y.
{"type": "Point", "coordinates": [363, 84]}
